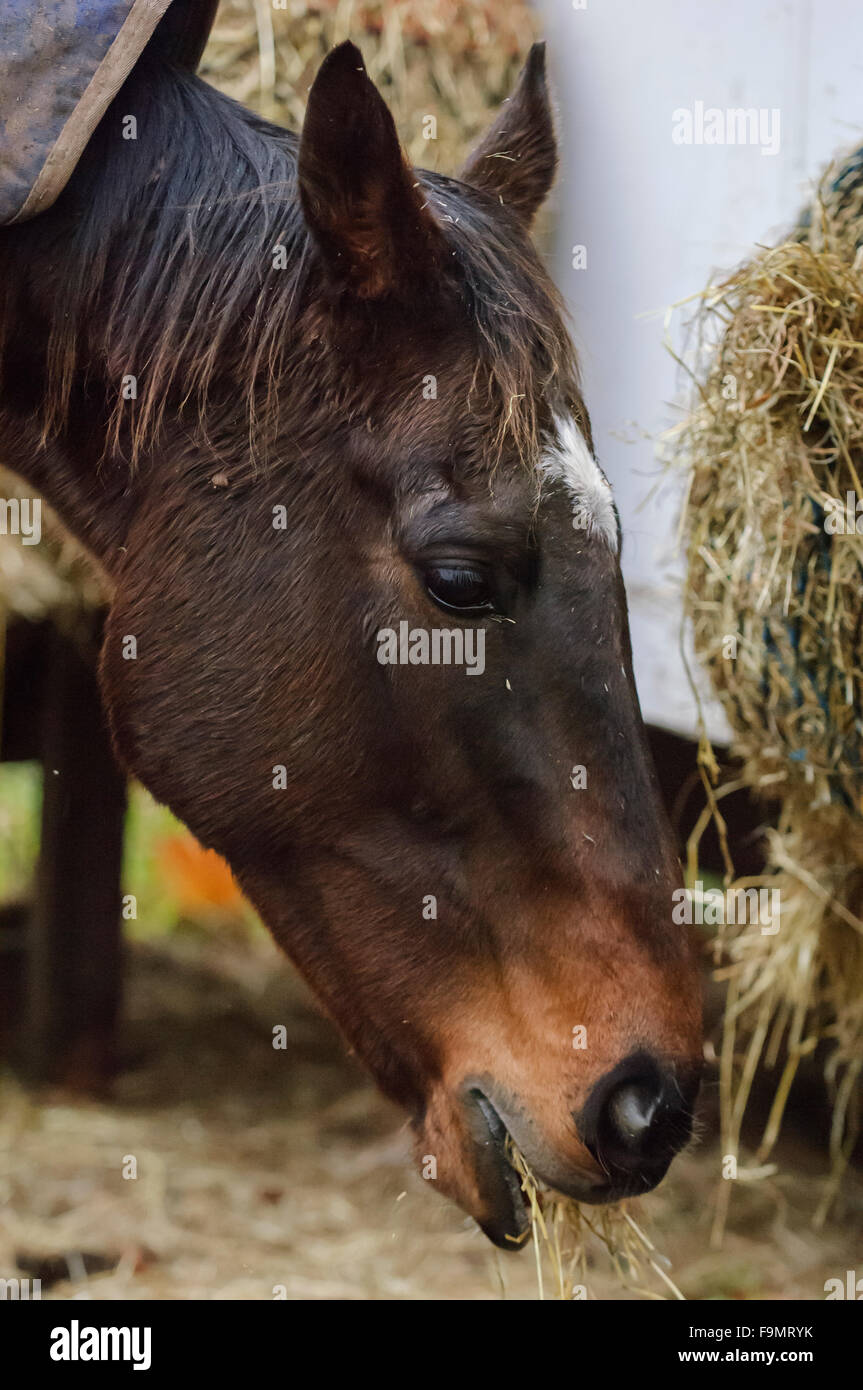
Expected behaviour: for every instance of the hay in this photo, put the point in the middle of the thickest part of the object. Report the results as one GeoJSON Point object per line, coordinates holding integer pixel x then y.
{"type": "Point", "coordinates": [777, 438]}
{"type": "Point", "coordinates": [56, 577]}
{"type": "Point", "coordinates": [562, 1230]}
{"type": "Point", "coordinates": [451, 60]}
{"type": "Point", "coordinates": [774, 593]}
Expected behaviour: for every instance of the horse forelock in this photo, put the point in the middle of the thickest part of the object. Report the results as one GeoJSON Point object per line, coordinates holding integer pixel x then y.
{"type": "Point", "coordinates": [187, 265]}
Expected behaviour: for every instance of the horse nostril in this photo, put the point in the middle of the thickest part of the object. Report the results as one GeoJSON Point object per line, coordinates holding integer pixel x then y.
{"type": "Point", "coordinates": [631, 1110]}
{"type": "Point", "coordinates": [636, 1119]}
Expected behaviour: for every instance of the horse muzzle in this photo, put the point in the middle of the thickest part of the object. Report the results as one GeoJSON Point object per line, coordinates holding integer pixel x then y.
{"type": "Point", "coordinates": [619, 1144]}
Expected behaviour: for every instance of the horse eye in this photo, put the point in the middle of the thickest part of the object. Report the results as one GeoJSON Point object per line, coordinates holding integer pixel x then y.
{"type": "Point", "coordinates": [461, 588]}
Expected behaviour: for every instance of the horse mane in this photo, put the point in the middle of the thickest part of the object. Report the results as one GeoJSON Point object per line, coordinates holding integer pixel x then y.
{"type": "Point", "coordinates": [162, 252]}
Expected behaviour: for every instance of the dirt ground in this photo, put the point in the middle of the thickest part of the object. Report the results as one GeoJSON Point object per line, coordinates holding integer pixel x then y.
{"type": "Point", "coordinates": [265, 1173]}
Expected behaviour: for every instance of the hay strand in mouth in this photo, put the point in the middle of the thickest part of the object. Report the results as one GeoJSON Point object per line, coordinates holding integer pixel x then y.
{"type": "Point", "coordinates": [564, 1234]}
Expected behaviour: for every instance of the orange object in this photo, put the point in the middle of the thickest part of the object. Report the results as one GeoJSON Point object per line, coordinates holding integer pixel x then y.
{"type": "Point", "coordinates": [199, 877]}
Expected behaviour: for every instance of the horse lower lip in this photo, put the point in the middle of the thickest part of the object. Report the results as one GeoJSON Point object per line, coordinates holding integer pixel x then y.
{"type": "Point", "coordinates": [508, 1227]}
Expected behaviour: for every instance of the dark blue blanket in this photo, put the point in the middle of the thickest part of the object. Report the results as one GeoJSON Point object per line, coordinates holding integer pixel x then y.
{"type": "Point", "coordinates": [61, 64]}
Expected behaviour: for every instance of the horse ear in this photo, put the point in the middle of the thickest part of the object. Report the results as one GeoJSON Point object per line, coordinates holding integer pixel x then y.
{"type": "Point", "coordinates": [516, 159]}
{"type": "Point", "coordinates": [360, 198]}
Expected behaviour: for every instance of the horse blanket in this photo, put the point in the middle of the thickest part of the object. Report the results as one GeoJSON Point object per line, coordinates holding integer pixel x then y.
{"type": "Point", "coordinates": [61, 64]}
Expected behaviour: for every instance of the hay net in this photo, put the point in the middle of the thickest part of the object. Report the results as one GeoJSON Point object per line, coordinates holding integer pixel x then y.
{"type": "Point", "coordinates": [773, 450]}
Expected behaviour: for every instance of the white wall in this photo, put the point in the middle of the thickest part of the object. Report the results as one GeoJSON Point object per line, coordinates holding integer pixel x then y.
{"type": "Point", "coordinates": [657, 218]}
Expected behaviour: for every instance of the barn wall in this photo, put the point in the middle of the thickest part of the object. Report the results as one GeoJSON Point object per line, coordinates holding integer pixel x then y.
{"type": "Point", "coordinates": [657, 217]}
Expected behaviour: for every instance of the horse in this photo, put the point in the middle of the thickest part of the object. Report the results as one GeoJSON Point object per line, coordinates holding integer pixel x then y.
{"type": "Point", "coordinates": [318, 416]}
